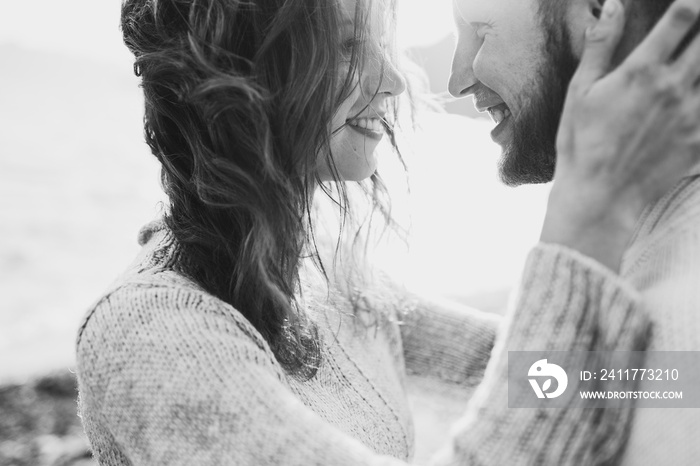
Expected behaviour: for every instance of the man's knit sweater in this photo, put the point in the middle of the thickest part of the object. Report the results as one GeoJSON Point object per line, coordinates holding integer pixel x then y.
{"type": "Point", "coordinates": [663, 263]}
{"type": "Point", "coordinates": [169, 374]}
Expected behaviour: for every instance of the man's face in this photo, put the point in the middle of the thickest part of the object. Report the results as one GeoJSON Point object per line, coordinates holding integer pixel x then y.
{"type": "Point", "coordinates": [516, 60]}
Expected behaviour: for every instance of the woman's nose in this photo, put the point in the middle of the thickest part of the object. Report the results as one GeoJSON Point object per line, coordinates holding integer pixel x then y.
{"type": "Point", "coordinates": [395, 81]}
{"type": "Point", "coordinates": [390, 80]}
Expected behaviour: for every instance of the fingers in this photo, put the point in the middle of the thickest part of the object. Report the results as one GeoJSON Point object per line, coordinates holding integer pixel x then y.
{"type": "Point", "coordinates": [688, 63]}
{"type": "Point", "coordinates": [601, 42]}
{"type": "Point", "coordinates": [667, 35]}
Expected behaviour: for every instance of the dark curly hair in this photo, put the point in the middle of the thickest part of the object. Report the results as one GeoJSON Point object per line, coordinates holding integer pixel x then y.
{"type": "Point", "coordinates": [239, 95]}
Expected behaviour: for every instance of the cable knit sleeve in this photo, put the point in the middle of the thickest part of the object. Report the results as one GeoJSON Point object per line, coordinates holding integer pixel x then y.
{"type": "Point", "coordinates": [565, 302]}
{"type": "Point", "coordinates": [446, 342]}
{"type": "Point", "coordinates": [193, 384]}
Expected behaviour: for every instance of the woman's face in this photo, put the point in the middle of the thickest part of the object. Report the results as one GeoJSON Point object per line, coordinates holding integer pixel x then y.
{"type": "Point", "coordinates": [357, 126]}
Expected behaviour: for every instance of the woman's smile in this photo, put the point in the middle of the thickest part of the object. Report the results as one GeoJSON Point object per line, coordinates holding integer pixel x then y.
{"type": "Point", "coordinates": [372, 128]}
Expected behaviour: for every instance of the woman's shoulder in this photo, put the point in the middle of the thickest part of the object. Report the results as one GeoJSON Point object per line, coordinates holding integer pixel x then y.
{"type": "Point", "coordinates": [152, 294]}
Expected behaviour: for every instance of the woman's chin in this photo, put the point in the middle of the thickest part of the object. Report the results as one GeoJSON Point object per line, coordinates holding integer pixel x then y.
{"type": "Point", "coordinates": [359, 171]}
{"type": "Point", "coordinates": [351, 168]}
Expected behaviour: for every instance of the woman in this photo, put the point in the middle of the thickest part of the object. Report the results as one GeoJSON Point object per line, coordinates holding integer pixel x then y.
{"type": "Point", "coordinates": [222, 344]}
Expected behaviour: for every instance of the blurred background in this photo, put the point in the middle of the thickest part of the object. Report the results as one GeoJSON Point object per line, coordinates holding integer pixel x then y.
{"type": "Point", "coordinates": [77, 182]}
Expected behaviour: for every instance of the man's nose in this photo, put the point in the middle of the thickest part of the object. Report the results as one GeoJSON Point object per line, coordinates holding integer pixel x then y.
{"type": "Point", "coordinates": [462, 79]}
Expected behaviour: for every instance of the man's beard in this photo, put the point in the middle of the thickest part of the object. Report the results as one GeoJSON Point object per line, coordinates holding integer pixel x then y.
{"type": "Point", "coordinates": [531, 155]}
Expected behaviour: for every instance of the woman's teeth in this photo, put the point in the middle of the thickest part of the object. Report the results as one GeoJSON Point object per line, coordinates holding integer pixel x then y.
{"type": "Point", "coordinates": [372, 124]}
{"type": "Point", "coordinates": [499, 113]}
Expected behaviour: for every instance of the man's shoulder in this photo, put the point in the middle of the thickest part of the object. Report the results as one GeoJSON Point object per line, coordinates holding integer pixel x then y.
{"type": "Point", "coordinates": [675, 210]}
{"type": "Point", "coordinates": [676, 216]}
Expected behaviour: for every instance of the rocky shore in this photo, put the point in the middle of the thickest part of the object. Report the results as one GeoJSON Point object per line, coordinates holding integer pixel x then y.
{"type": "Point", "coordinates": [39, 425]}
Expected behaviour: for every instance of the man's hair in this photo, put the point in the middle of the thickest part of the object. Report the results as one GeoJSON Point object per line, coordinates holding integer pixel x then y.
{"type": "Point", "coordinates": [239, 96]}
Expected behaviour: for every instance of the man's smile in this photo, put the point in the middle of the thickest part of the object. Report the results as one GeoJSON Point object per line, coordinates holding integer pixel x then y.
{"type": "Point", "coordinates": [486, 100]}
{"type": "Point", "coordinates": [499, 113]}
{"type": "Point", "coordinates": [503, 120]}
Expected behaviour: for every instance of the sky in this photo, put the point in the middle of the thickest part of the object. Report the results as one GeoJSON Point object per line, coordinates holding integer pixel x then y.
{"type": "Point", "coordinates": [82, 28]}
{"type": "Point", "coordinates": [91, 27]}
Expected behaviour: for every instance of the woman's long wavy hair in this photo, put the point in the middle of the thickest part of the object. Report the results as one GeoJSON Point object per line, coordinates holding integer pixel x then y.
{"type": "Point", "coordinates": [239, 95]}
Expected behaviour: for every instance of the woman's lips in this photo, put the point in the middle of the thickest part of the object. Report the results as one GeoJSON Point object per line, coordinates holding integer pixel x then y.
{"type": "Point", "coordinates": [370, 127]}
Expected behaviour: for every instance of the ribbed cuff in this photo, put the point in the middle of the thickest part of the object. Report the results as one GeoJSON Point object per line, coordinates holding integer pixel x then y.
{"type": "Point", "coordinates": [570, 302]}
{"type": "Point", "coordinates": [566, 302]}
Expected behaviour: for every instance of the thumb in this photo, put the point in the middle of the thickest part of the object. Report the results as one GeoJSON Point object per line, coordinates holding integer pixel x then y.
{"type": "Point", "coordinates": [600, 44]}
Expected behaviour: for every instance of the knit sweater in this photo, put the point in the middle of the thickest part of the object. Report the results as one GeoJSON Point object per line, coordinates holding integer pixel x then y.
{"type": "Point", "coordinates": [663, 262]}
{"type": "Point", "coordinates": [169, 374]}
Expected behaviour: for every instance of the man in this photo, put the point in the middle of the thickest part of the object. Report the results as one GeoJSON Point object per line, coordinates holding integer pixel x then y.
{"type": "Point", "coordinates": [516, 58]}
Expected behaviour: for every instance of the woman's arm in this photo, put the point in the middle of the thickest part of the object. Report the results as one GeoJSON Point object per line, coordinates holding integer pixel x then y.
{"type": "Point", "coordinates": [446, 342]}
